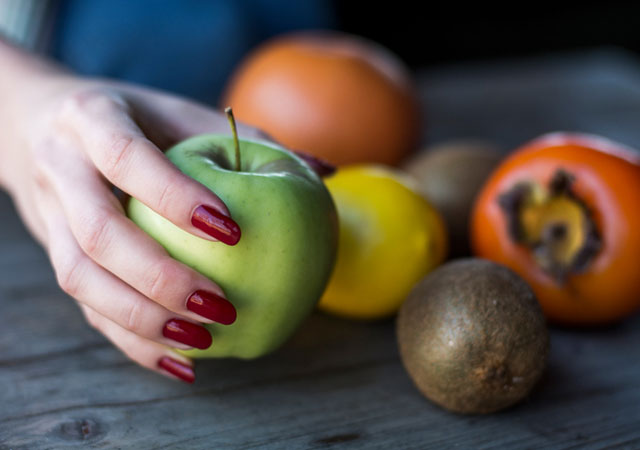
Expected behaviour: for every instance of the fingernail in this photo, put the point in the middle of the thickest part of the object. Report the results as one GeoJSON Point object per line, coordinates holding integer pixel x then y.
{"type": "Point", "coordinates": [321, 167]}
{"type": "Point", "coordinates": [212, 306]}
{"type": "Point", "coordinates": [216, 224]}
{"type": "Point", "coordinates": [187, 333]}
{"type": "Point", "coordinates": [177, 368]}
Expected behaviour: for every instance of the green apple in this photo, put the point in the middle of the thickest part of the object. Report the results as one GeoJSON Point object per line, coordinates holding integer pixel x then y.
{"type": "Point", "coordinates": [278, 270]}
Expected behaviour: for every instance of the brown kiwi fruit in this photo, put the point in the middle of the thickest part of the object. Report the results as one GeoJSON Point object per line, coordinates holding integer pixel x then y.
{"type": "Point", "coordinates": [450, 175]}
{"type": "Point", "coordinates": [472, 337]}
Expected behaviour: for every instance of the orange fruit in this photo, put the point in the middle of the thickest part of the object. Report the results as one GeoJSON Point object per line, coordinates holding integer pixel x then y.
{"type": "Point", "coordinates": [562, 212]}
{"type": "Point", "coordinates": [339, 97]}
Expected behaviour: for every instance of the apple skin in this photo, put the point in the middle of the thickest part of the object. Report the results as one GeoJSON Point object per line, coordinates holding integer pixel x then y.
{"type": "Point", "coordinates": [277, 272]}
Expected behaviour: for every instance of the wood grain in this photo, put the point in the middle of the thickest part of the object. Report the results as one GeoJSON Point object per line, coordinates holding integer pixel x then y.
{"type": "Point", "coordinates": [337, 384]}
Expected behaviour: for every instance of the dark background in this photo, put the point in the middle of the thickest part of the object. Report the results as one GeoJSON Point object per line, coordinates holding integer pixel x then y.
{"type": "Point", "coordinates": [430, 33]}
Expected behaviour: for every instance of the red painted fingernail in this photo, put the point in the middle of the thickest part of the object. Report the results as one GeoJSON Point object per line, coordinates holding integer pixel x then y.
{"type": "Point", "coordinates": [216, 224]}
{"type": "Point", "coordinates": [187, 333]}
{"type": "Point", "coordinates": [177, 368]}
{"type": "Point", "coordinates": [212, 306]}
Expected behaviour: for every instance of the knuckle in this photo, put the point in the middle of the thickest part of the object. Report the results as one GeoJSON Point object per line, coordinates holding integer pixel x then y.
{"type": "Point", "coordinates": [69, 271]}
{"type": "Point", "coordinates": [86, 101]}
{"type": "Point", "coordinates": [47, 166]}
{"type": "Point", "coordinates": [168, 198]}
{"type": "Point", "coordinates": [41, 174]}
{"type": "Point", "coordinates": [166, 276]}
{"type": "Point", "coordinates": [69, 107]}
{"type": "Point", "coordinates": [94, 234]}
{"type": "Point", "coordinates": [117, 157]}
{"type": "Point", "coordinates": [133, 315]}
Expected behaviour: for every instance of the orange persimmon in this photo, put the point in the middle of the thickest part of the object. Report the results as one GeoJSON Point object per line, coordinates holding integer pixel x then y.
{"type": "Point", "coordinates": [563, 212]}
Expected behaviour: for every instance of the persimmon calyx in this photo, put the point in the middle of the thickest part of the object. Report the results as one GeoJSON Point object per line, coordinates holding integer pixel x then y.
{"type": "Point", "coordinates": [553, 223]}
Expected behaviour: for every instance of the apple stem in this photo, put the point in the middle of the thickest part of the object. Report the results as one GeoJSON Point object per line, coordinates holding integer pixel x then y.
{"type": "Point", "coordinates": [234, 131]}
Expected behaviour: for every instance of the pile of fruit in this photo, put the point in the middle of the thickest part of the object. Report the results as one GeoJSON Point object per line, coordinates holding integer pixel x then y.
{"type": "Point", "coordinates": [554, 226]}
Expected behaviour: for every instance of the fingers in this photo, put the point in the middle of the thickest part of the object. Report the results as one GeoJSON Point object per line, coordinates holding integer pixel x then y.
{"type": "Point", "coordinates": [91, 285]}
{"type": "Point", "coordinates": [106, 236]}
{"type": "Point", "coordinates": [121, 152]}
{"type": "Point", "coordinates": [149, 354]}
{"type": "Point", "coordinates": [101, 291]}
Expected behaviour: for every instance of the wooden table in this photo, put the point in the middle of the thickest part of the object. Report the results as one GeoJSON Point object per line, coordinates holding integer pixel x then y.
{"type": "Point", "coordinates": [336, 384]}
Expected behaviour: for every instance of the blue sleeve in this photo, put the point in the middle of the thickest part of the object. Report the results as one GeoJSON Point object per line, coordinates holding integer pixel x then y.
{"type": "Point", "coordinates": [189, 47]}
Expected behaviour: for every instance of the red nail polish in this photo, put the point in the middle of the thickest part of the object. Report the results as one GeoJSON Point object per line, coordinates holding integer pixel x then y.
{"type": "Point", "coordinates": [187, 333]}
{"type": "Point", "coordinates": [216, 224]}
{"type": "Point", "coordinates": [212, 306]}
{"type": "Point", "coordinates": [177, 368]}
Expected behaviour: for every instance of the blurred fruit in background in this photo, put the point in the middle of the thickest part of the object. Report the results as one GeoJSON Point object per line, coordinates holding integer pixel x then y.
{"type": "Point", "coordinates": [336, 96]}
{"type": "Point", "coordinates": [450, 175]}
{"type": "Point", "coordinates": [564, 213]}
{"type": "Point", "coordinates": [389, 238]}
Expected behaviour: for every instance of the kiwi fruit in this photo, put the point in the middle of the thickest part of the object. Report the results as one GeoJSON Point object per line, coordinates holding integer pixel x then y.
{"type": "Point", "coordinates": [472, 337]}
{"type": "Point", "coordinates": [450, 176]}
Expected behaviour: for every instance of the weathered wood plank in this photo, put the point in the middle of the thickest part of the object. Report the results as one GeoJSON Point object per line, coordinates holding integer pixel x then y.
{"type": "Point", "coordinates": [365, 399]}
{"type": "Point", "coordinates": [337, 384]}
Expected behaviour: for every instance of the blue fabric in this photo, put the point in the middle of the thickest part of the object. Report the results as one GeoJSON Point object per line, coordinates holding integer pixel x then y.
{"type": "Point", "coordinates": [188, 47]}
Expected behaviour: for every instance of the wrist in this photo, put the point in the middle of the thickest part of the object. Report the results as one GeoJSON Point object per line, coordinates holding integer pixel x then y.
{"type": "Point", "coordinates": [20, 67]}
{"type": "Point", "coordinates": [23, 79]}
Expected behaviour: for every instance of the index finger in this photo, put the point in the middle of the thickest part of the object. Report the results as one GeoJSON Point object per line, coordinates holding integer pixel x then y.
{"type": "Point", "coordinates": [122, 153]}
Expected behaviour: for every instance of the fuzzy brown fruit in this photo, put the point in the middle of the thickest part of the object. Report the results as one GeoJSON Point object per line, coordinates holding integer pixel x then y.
{"type": "Point", "coordinates": [450, 175]}
{"type": "Point", "coordinates": [472, 337]}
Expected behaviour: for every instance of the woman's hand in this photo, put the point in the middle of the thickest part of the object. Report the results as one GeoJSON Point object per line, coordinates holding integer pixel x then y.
{"type": "Point", "coordinates": [69, 142]}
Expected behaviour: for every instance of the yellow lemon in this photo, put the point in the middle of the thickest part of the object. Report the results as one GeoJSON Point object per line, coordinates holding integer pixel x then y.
{"type": "Point", "coordinates": [390, 238]}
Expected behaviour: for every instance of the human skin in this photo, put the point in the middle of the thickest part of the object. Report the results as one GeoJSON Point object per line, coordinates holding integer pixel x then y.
{"type": "Point", "coordinates": [67, 142]}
